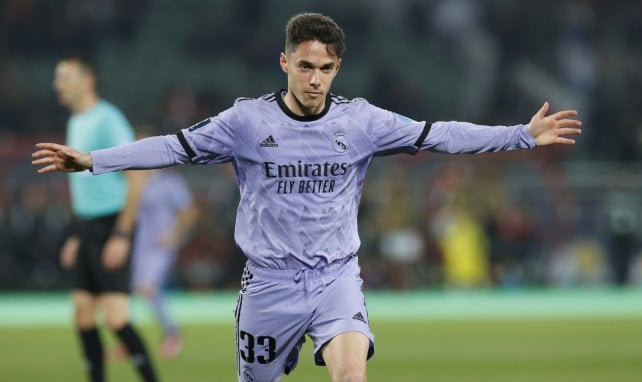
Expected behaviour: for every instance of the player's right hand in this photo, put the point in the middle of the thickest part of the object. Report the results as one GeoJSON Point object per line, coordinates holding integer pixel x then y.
{"type": "Point", "coordinates": [115, 252]}
{"type": "Point", "coordinates": [57, 157]}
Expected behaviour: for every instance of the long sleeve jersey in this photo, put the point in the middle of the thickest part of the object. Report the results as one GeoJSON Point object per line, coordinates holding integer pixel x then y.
{"type": "Point", "coordinates": [300, 177]}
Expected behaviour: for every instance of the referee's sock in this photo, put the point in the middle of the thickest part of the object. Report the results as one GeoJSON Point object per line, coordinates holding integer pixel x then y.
{"type": "Point", "coordinates": [138, 353]}
{"type": "Point", "coordinates": [93, 350]}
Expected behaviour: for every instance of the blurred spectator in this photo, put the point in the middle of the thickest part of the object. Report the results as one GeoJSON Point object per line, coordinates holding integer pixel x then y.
{"type": "Point", "coordinates": [462, 37]}
{"type": "Point", "coordinates": [622, 210]}
{"type": "Point", "coordinates": [579, 262]}
{"type": "Point", "coordinates": [458, 232]}
{"type": "Point", "coordinates": [165, 221]}
{"type": "Point", "coordinates": [400, 242]}
{"type": "Point", "coordinates": [512, 233]}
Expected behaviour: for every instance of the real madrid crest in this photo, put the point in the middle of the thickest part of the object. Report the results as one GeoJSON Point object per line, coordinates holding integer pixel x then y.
{"type": "Point", "coordinates": [340, 141]}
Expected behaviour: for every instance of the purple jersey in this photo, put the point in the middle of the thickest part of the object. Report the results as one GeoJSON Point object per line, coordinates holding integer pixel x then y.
{"type": "Point", "coordinates": [165, 194]}
{"type": "Point", "coordinates": [300, 178]}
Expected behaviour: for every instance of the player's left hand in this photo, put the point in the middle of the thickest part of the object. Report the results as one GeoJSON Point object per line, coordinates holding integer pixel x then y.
{"type": "Point", "coordinates": [115, 252]}
{"type": "Point", "coordinates": [547, 130]}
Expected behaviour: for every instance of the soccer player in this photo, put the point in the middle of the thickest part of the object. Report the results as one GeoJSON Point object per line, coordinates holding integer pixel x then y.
{"type": "Point", "coordinates": [166, 218]}
{"type": "Point", "coordinates": [97, 251]}
{"type": "Point", "coordinates": [300, 157]}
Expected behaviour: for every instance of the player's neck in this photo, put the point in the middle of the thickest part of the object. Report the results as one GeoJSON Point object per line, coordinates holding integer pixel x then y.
{"type": "Point", "coordinates": [84, 104]}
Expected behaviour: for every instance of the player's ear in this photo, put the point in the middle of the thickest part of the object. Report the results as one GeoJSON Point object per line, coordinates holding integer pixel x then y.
{"type": "Point", "coordinates": [283, 61]}
{"type": "Point", "coordinates": [338, 66]}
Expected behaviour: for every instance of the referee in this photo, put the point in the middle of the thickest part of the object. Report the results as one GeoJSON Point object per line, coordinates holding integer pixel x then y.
{"type": "Point", "coordinates": [97, 250]}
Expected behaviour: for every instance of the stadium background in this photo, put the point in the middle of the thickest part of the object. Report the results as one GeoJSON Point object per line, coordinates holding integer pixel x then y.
{"type": "Point", "coordinates": [557, 227]}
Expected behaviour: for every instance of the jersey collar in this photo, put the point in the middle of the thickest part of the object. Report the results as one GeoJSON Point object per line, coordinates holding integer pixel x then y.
{"type": "Point", "coordinates": [302, 118]}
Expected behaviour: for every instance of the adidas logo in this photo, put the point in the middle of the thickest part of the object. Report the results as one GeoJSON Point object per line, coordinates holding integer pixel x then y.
{"type": "Point", "coordinates": [269, 142]}
{"type": "Point", "coordinates": [359, 317]}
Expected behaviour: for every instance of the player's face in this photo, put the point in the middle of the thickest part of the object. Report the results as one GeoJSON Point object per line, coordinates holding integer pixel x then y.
{"type": "Point", "coordinates": [311, 70]}
{"type": "Point", "coordinates": [71, 83]}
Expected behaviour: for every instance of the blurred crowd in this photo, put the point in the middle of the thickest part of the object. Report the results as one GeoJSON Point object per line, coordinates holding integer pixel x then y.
{"type": "Point", "coordinates": [557, 216]}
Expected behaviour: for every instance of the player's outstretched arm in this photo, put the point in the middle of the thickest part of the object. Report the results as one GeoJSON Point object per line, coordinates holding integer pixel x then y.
{"type": "Point", "coordinates": [554, 128]}
{"type": "Point", "coordinates": [55, 157]}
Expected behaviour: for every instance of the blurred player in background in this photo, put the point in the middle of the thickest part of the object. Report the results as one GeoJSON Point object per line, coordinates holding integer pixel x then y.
{"type": "Point", "coordinates": [300, 156]}
{"type": "Point", "coordinates": [98, 248]}
{"type": "Point", "coordinates": [166, 219]}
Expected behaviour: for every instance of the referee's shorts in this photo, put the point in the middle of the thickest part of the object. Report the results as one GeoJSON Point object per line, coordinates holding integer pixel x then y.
{"type": "Point", "coordinates": [89, 274]}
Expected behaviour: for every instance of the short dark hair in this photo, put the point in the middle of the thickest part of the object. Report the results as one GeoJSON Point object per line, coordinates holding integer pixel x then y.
{"type": "Point", "coordinates": [85, 60]}
{"type": "Point", "coordinates": [314, 27]}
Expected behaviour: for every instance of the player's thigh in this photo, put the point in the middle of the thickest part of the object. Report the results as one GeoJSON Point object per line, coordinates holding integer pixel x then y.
{"type": "Point", "coordinates": [115, 308]}
{"type": "Point", "coordinates": [82, 276]}
{"type": "Point", "coordinates": [85, 305]}
{"type": "Point", "coordinates": [269, 328]}
{"type": "Point", "coordinates": [341, 308]}
{"type": "Point", "coordinates": [116, 281]}
{"type": "Point", "coordinates": [345, 356]}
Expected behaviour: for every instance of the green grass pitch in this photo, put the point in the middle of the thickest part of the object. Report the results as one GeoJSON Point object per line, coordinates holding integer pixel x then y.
{"type": "Point", "coordinates": [522, 350]}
